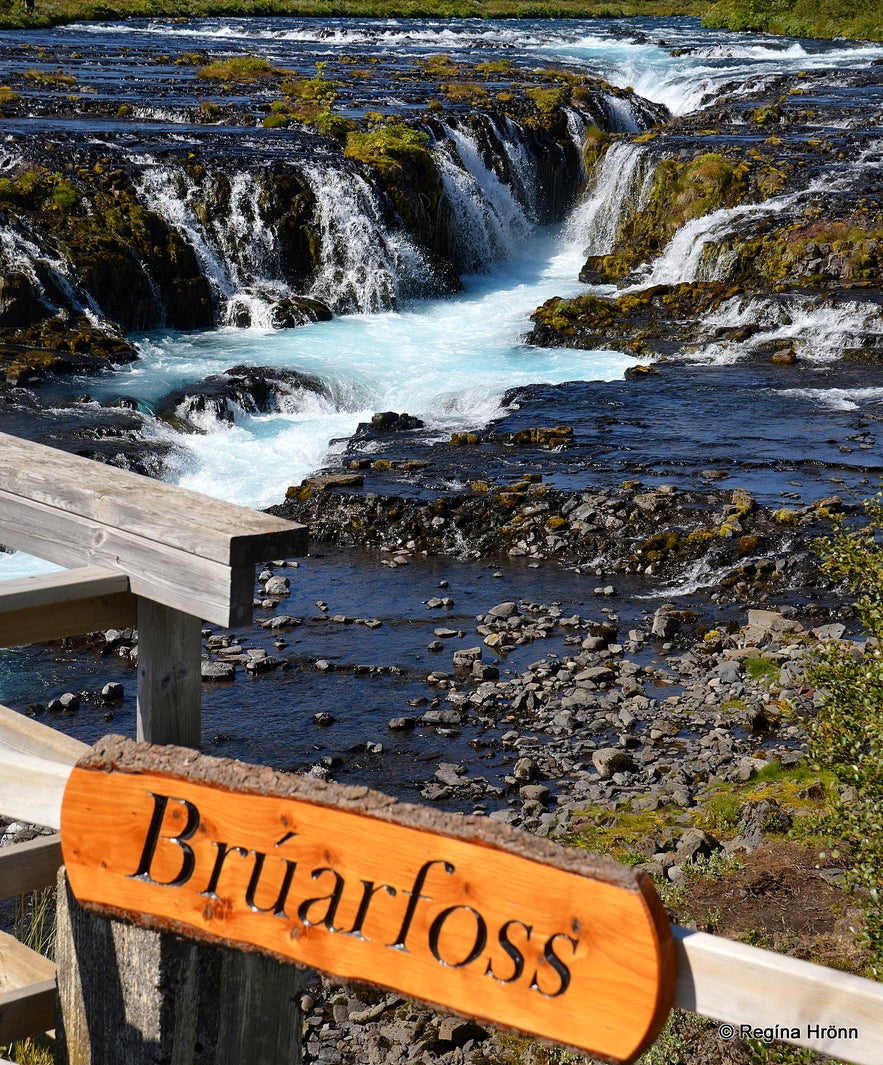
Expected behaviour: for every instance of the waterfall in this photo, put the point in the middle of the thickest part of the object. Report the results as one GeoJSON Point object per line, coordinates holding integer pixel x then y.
{"type": "Point", "coordinates": [19, 253]}
{"type": "Point", "coordinates": [366, 264]}
{"type": "Point", "coordinates": [488, 221]}
{"type": "Point", "coordinates": [691, 254]}
{"type": "Point", "coordinates": [620, 115]}
{"type": "Point", "coordinates": [618, 184]}
{"type": "Point", "coordinates": [233, 243]}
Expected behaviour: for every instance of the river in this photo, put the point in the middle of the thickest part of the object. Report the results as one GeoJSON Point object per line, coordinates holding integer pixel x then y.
{"type": "Point", "coordinates": [449, 360]}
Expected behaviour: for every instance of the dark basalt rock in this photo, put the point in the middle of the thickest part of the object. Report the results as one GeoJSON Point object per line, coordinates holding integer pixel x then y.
{"type": "Point", "coordinates": [253, 389]}
{"type": "Point", "coordinates": [293, 311]}
{"type": "Point", "coordinates": [663, 532]}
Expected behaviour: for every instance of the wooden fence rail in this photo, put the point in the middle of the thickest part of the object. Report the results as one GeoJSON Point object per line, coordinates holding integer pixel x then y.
{"type": "Point", "coordinates": [166, 560]}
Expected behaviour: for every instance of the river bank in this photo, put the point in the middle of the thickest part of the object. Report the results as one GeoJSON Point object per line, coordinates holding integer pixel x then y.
{"type": "Point", "coordinates": [569, 583]}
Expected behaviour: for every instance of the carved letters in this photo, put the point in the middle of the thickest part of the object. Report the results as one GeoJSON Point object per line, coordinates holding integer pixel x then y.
{"type": "Point", "coordinates": [459, 912]}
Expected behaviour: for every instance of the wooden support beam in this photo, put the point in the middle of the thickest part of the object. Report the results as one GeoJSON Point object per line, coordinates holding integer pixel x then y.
{"type": "Point", "coordinates": [35, 762]}
{"type": "Point", "coordinates": [27, 991]}
{"type": "Point", "coordinates": [48, 607]}
{"type": "Point", "coordinates": [179, 548]}
{"type": "Point", "coordinates": [27, 1011]}
{"type": "Point", "coordinates": [29, 866]}
{"type": "Point", "coordinates": [127, 994]}
{"type": "Point", "coordinates": [169, 675]}
{"type": "Point", "coordinates": [24, 735]}
{"type": "Point", "coordinates": [31, 788]}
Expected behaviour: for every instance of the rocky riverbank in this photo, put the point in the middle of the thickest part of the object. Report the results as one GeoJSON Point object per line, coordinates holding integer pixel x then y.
{"type": "Point", "coordinates": [777, 212]}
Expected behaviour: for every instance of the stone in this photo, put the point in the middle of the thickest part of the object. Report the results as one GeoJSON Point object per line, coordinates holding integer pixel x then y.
{"type": "Point", "coordinates": [611, 760]}
{"type": "Point", "coordinates": [277, 587]}
{"type": "Point", "coordinates": [695, 844]}
{"type": "Point", "coordinates": [217, 670]}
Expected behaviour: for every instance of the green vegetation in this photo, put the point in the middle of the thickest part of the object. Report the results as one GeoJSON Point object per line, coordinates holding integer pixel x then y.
{"type": "Point", "coordinates": [39, 189]}
{"type": "Point", "coordinates": [800, 18]}
{"type": "Point", "coordinates": [762, 668]}
{"type": "Point", "coordinates": [387, 146]}
{"type": "Point", "coordinates": [847, 734]}
{"type": "Point", "coordinates": [622, 834]}
{"type": "Point", "coordinates": [238, 69]}
{"type": "Point", "coordinates": [48, 79]}
{"type": "Point", "coordinates": [51, 12]}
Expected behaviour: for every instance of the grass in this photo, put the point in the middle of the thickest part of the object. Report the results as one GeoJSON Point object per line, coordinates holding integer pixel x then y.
{"type": "Point", "coordinates": [622, 834]}
{"type": "Point", "coordinates": [51, 12]}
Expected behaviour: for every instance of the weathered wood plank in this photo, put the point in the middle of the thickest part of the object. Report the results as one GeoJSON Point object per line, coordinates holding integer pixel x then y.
{"type": "Point", "coordinates": [20, 966]}
{"type": "Point", "coordinates": [29, 866]}
{"type": "Point", "coordinates": [159, 571]}
{"type": "Point", "coordinates": [27, 736]}
{"type": "Point", "coordinates": [27, 1011]}
{"type": "Point", "coordinates": [31, 788]}
{"type": "Point", "coordinates": [53, 605]}
{"type": "Point", "coordinates": [50, 589]}
{"type": "Point", "coordinates": [169, 675]}
{"type": "Point", "coordinates": [148, 509]}
{"type": "Point", "coordinates": [837, 1013]}
{"type": "Point", "coordinates": [215, 1006]}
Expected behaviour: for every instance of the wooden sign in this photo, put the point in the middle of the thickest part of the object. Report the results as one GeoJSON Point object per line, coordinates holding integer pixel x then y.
{"type": "Point", "coordinates": [461, 912]}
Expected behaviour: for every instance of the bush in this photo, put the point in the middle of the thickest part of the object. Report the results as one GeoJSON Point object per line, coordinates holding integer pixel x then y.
{"type": "Point", "coordinates": [847, 734]}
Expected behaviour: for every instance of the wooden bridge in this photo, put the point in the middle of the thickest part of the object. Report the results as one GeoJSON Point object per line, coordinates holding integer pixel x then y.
{"type": "Point", "coordinates": [148, 554]}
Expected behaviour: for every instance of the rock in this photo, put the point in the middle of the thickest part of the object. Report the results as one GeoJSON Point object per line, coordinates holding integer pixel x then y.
{"type": "Point", "coordinates": [441, 717]}
{"type": "Point", "coordinates": [459, 1032]}
{"type": "Point", "coordinates": [696, 843]}
{"type": "Point", "coordinates": [611, 760]}
{"type": "Point", "coordinates": [112, 691]}
{"type": "Point", "coordinates": [391, 422]}
{"type": "Point", "coordinates": [217, 670]}
{"type": "Point", "coordinates": [401, 724]}
{"type": "Point", "coordinates": [282, 621]}
{"type": "Point", "coordinates": [503, 610]}
{"type": "Point", "coordinates": [756, 819]}
{"type": "Point", "coordinates": [525, 769]}
{"type": "Point", "coordinates": [277, 587]}
{"type": "Point", "coordinates": [466, 657]}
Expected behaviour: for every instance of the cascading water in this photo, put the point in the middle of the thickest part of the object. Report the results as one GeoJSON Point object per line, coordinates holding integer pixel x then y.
{"type": "Point", "coordinates": [235, 247]}
{"type": "Point", "coordinates": [615, 192]}
{"type": "Point", "coordinates": [489, 222]}
{"type": "Point", "coordinates": [366, 264]}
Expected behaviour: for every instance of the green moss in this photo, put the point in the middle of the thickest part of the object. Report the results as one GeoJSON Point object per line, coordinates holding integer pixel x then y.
{"type": "Point", "coordinates": [547, 99]}
{"type": "Point", "coordinates": [439, 66]}
{"type": "Point", "coordinates": [595, 143]}
{"type": "Point", "coordinates": [8, 99]}
{"type": "Point", "coordinates": [388, 147]}
{"type": "Point", "coordinates": [762, 668]}
{"type": "Point", "coordinates": [240, 68]}
{"type": "Point", "coordinates": [499, 66]}
{"type": "Point", "coordinates": [464, 92]}
{"type": "Point", "coordinates": [51, 80]}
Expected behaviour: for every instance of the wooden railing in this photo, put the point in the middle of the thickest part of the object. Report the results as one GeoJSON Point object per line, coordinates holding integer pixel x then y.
{"type": "Point", "coordinates": [146, 554]}
{"type": "Point", "coordinates": [164, 559]}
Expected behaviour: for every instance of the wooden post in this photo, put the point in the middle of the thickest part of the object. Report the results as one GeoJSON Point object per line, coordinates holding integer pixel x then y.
{"type": "Point", "coordinates": [169, 675]}
{"type": "Point", "coordinates": [126, 994]}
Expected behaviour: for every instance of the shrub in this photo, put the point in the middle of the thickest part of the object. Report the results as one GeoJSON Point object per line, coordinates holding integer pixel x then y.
{"type": "Point", "coordinates": [847, 734]}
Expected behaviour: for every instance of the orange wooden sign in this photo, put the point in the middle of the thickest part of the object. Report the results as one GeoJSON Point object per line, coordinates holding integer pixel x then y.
{"type": "Point", "coordinates": [461, 912]}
